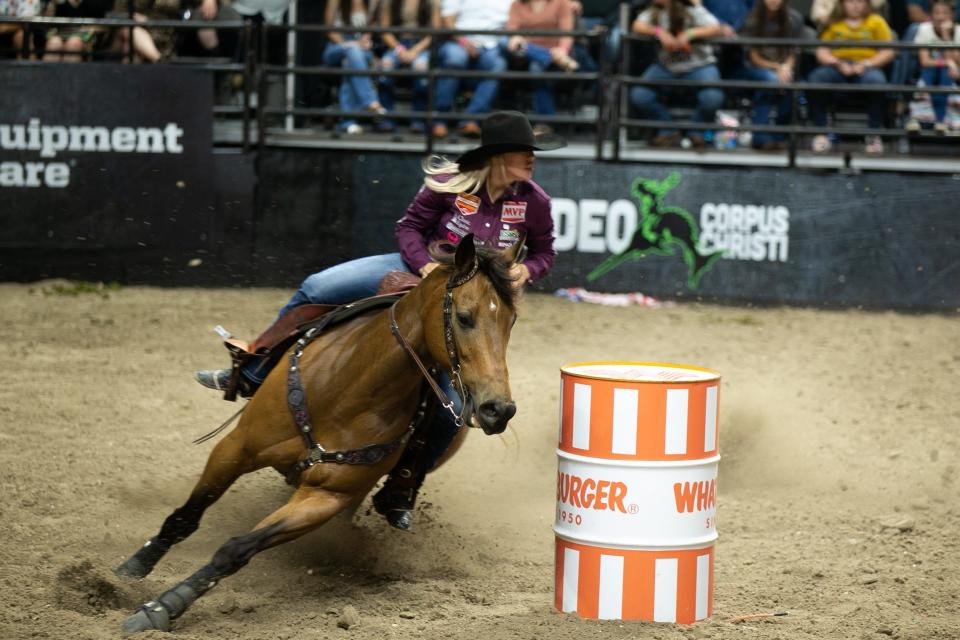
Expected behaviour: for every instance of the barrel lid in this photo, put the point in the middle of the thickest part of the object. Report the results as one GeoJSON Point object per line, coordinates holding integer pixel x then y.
{"type": "Point", "coordinates": [640, 372]}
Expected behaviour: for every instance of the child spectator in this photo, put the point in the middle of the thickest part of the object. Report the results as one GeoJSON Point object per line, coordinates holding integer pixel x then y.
{"type": "Point", "coordinates": [470, 51]}
{"type": "Point", "coordinates": [681, 27]}
{"type": "Point", "coordinates": [855, 65]}
{"type": "Point", "coordinates": [938, 67]}
{"type": "Point", "coordinates": [776, 65]}
{"type": "Point", "coordinates": [11, 35]}
{"type": "Point", "coordinates": [540, 53]}
{"type": "Point", "coordinates": [67, 43]}
{"type": "Point", "coordinates": [406, 50]}
{"type": "Point", "coordinates": [351, 49]}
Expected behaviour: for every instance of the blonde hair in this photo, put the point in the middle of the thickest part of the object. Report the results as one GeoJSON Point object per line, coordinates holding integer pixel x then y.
{"type": "Point", "coordinates": [459, 181]}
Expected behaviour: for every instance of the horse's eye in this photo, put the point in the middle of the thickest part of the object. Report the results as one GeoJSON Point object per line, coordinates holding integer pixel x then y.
{"type": "Point", "coordinates": [465, 320]}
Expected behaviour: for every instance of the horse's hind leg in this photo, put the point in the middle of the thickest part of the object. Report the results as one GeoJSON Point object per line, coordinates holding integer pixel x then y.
{"type": "Point", "coordinates": [307, 509]}
{"type": "Point", "coordinates": [227, 462]}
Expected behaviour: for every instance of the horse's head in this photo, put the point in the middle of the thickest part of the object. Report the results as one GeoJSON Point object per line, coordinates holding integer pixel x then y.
{"type": "Point", "coordinates": [479, 312]}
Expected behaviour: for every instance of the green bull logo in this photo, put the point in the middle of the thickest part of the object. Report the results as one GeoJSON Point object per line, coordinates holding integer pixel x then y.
{"type": "Point", "coordinates": [661, 230]}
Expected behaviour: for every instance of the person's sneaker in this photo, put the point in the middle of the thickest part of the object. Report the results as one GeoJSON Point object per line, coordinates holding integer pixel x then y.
{"type": "Point", "coordinates": [912, 126]}
{"type": "Point", "coordinates": [874, 145]}
{"type": "Point", "coordinates": [941, 128]}
{"type": "Point", "coordinates": [216, 379]}
{"type": "Point", "coordinates": [697, 141]}
{"type": "Point", "coordinates": [353, 129]}
{"type": "Point", "coordinates": [820, 144]}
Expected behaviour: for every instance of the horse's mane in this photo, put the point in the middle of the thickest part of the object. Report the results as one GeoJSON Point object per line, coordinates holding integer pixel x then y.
{"type": "Point", "coordinates": [492, 263]}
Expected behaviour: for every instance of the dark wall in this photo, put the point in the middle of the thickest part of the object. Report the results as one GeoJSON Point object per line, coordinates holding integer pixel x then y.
{"type": "Point", "coordinates": [876, 240]}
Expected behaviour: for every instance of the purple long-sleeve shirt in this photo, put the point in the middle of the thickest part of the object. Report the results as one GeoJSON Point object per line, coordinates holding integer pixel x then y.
{"type": "Point", "coordinates": [523, 209]}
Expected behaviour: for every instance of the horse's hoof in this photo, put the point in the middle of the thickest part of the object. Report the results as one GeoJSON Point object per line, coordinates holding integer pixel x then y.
{"type": "Point", "coordinates": [151, 616]}
{"type": "Point", "coordinates": [400, 519]}
{"type": "Point", "coordinates": [132, 568]}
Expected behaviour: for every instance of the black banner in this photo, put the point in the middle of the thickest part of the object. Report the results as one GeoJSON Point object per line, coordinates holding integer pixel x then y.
{"type": "Point", "coordinates": [105, 170]}
{"type": "Point", "coordinates": [761, 235]}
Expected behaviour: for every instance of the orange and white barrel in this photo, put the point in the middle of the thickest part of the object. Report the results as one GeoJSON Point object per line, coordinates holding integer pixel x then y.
{"type": "Point", "coordinates": [637, 491]}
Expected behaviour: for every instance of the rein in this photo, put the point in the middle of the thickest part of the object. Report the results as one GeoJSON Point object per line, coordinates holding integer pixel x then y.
{"type": "Point", "coordinates": [445, 401]}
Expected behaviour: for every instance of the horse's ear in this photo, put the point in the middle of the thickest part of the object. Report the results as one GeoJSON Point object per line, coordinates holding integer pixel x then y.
{"type": "Point", "coordinates": [517, 252]}
{"type": "Point", "coordinates": [466, 254]}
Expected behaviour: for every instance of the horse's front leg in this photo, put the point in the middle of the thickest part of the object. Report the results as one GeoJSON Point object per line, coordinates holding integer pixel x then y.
{"type": "Point", "coordinates": [308, 508]}
{"type": "Point", "coordinates": [228, 461]}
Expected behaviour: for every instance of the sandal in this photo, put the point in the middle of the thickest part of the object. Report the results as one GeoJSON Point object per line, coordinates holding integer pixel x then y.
{"type": "Point", "coordinates": [567, 63]}
{"type": "Point", "coordinates": [821, 144]}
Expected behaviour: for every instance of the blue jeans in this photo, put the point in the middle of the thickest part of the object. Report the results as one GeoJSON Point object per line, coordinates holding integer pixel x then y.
{"type": "Point", "coordinates": [819, 100]}
{"type": "Point", "coordinates": [351, 281]}
{"type": "Point", "coordinates": [538, 60]}
{"type": "Point", "coordinates": [645, 98]}
{"type": "Point", "coordinates": [356, 92]}
{"type": "Point", "coordinates": [764, 101]}
{"type": "Point", "coordinates": [905, 62]}
{"type": "Point", "coordinates": [453, 56]}
{"type": "Point", "coordinates": [420, 85]}
{"type": "Point", "coordinates": [937, 77]}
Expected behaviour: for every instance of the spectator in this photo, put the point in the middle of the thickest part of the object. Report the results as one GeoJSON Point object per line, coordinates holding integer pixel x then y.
{"type": "Point", "coordinates": [68, 43]}
{"type": "Point", "coordinates": [407, 51]}
{"type": "Point", "coordinates": [730, 12]}
{"type": "Point", "coordinates": [938, 67]}
{"type": "Point", "coordinates": [682, 29]}
{"type": "Point", "coordinates": [856, 65]}
{"type": "Point", "coordinates": [11, 35]}
{"type": "Point", "coordinates": [208, 42]}
{"type": "Point", "coordinates": [352, 51]}
{"type": "Point", "coordinates": [593, 15]}
{"type": "Point", "coordinates": [776, 65]}
{"type": "Point", "coordinates": [541, 53]}
{"type": "Point", "coordinates": [470, 51]}
{"type": "Point", "coordinates": [905, 65]}
{"type": "Point", "coordinates": [144, 48]}
{"type": "Point", "coordinates": [826, 12]}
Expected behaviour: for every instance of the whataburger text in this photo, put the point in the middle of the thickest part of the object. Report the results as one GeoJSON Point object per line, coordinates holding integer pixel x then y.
{"type": "Point", "coordinates": [49, 140]}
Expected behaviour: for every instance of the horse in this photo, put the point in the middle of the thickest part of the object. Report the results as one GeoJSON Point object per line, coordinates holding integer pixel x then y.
{"type": "Point", "coordinates": [364, 383]}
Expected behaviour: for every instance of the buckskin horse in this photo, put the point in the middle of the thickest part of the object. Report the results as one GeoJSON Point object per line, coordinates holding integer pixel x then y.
{"type": "Point", "coordinates": [360, 381]}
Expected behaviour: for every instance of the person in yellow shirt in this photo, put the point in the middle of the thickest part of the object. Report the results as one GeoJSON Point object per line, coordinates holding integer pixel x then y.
{"type": "Point", "coordinates": [855, 65]}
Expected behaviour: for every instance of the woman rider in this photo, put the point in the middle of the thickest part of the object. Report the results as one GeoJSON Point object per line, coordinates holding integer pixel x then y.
{"type": "Point", "coordinates": [488, 192]}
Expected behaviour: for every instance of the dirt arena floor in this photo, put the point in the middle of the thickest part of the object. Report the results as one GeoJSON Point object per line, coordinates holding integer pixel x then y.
{"type": "Point", "coordinates": [838, 488]}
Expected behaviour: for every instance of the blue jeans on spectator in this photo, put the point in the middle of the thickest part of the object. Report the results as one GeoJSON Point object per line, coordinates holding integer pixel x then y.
{"type": "Point", "coordinates": [453, 56]}
{"type": "Point", "coordinates": [876, 102]}
{"type": "Point", "coordinates": [904, 67]}
{"type": "Point", "coordinates": [764, 101]}
{"type": "Point", "coordinates": [356, 92]}
{"type": "Point", "coordinates": [538, 60]}
{"type": "Point", "coordinates": [709, 99]}
{"type": "Point", "coordinates": [354, 280]}
{"type": "Point", "coordinates": [937, 77]}
{"type": "Point", "coordinates": [420, 85]}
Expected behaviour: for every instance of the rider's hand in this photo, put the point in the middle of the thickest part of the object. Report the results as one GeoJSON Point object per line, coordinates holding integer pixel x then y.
{"type": "Point", "coordinates": [520, 274]}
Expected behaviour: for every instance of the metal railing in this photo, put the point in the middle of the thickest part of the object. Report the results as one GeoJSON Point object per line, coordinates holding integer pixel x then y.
{"type": "Point", "coordinates": [609, 121]}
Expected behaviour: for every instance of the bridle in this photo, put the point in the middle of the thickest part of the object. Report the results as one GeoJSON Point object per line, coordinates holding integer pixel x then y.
{"type": "Point", "coordinates": [456, 280]}
{"type": "Point", "coordinates": [375, 453]}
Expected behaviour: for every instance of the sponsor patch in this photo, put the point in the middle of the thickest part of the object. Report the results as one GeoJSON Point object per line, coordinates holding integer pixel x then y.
{"type": "Point", "coordinates": [456, 231]}
{"type": "Point", "coordinates": [509, 235]}
{"type": "Point", "coordinates": [467, 204]}
{"type": "Point", "coordinates": [514, 212]}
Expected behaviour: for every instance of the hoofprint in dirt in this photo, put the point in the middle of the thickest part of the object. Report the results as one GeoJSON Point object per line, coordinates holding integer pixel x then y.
{"type": "Point", "coordinates": [837, 498]}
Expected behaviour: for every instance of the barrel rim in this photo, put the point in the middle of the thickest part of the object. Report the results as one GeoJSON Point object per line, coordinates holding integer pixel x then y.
{"type": "Point", "coordinates": [714, 458]}
{"type": "Point", "coordinates": [564, 369]}
{"type": "Point", "coordinates": [704, 542]}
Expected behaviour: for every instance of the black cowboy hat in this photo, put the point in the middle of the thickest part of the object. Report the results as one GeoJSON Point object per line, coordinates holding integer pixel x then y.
{"type": "Point", "coordinates": [505, 131]}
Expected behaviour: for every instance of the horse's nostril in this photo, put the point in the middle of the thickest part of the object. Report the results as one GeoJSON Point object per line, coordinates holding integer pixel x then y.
{"type": "Point", "coordinates": [497, 410]}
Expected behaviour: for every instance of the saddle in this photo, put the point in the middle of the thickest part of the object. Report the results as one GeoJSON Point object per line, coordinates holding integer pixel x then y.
{"type": "Point", "coordinates": [278, 337]}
